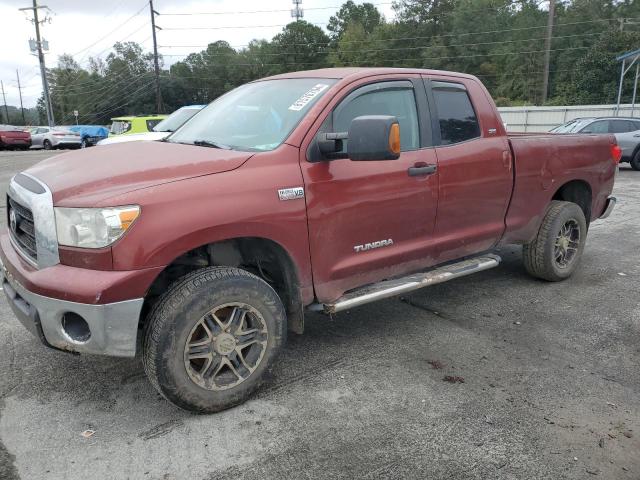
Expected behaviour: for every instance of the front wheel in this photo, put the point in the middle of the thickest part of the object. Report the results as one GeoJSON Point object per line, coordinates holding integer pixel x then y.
{"type": "Point", "coordinates": [47, 145]}
{"type": "Point", "coordinates": [635, 161]}
{"type": "Point", "coordinates": [555, 252]}
{"type": "Point", "coordinates": [83, 143]}
{"type": "Point", "coordinates": [211, 338]}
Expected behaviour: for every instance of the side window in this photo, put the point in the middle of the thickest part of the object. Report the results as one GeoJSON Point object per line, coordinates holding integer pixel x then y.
{"type": "Point", "coordinates": [456, 116]}
{"type": "Point", "coordinates": [152, 123]}
{"type": "Point", "coordinates": [619, 126]}
{"type": "Point", "coordinates": [601, 126]}
{"type": "Point", "coordinates": [386, 98]}
{"type": "Point", "coordinates": [634, 126]}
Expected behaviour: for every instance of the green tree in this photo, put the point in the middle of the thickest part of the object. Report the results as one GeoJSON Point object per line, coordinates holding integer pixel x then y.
{"type": "Point", "coordinates": [365, 14]}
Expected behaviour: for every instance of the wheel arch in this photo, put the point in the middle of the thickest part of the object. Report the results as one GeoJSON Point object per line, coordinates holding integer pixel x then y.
{"type": "Point", "coordinates": [262, 256]}
{"type": "Point", "coordinates": [579, 192]}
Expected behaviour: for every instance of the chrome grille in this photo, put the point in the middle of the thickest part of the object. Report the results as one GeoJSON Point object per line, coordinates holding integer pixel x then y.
{"type": "Point", "coordinates": [21, 228]}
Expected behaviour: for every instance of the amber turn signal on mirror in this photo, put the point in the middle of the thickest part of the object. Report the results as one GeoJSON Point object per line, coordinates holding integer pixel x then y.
{"type": "Point", "coordinates": [394, 139]}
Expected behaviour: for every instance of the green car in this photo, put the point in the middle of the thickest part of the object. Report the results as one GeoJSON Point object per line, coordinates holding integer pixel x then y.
{"type": "Point", "coordinates": [134, 124]}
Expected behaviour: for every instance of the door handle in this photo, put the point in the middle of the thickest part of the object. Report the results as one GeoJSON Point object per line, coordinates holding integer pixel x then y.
{"type": "Point", "coordinates": [422, 170]}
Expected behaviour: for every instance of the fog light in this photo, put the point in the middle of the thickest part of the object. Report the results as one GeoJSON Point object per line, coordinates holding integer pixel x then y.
{"type": "Point", "coordinates": [76, 327]}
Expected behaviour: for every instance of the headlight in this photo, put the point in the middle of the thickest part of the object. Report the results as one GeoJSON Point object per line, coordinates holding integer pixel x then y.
{"type": "Point", "coordinates": [93, 227]}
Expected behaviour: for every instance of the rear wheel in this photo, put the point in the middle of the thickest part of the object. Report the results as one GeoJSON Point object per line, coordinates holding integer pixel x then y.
{"type": "Point", "coordinates": [47, 145]}
{"type": "Point", "coordinates": [555, 252]}
{"type": "Point", "coordinates": [84, 143]}
{"type": "Point", "coordinates": [635, 161]}
{"type": "Point", "coordinates": [211, 338]}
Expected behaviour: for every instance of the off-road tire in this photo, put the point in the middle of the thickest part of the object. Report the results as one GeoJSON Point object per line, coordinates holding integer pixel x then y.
{"type": "Point", "coordinates": [635, 161]}
{"type": "Point", "coordinates": [171, 321]}
{"type": "Point", "coordinates": [539, 257]}
{"type": "Point", "coordinates": [47, 145]}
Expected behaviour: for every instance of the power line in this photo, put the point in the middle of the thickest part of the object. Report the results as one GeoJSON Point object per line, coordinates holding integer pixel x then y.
{"type": "Point", "coordinates": [429, 37]}
{"type": "Point", "coordinates": [175, 14]}
{"type": "Point", "coordinates": [227, 27]}
{"type": "Point", "coordinates": [110, 32]}
{"type": "Point", "coordinates": [499, 42]}
{"type": "Point", "coordinates": [285, 64]}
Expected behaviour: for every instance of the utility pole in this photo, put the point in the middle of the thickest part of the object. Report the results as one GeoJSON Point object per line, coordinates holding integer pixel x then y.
{"type": "Point", "coordinates": [24, 122]}
{"type": "Point", "coordinates": [155, 57]}
{"type": "Point", "coordinates": [4, 99]}
{"type": "Point", "coordinates": [43, 68]}
{"type": "Point", "coordinates": [547, 50]}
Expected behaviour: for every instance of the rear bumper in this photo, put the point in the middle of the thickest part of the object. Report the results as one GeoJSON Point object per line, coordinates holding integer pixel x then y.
{"type": "Point", "coordinates": [113, 327]}
{"type": "Point", "coordinates": [609, 206]}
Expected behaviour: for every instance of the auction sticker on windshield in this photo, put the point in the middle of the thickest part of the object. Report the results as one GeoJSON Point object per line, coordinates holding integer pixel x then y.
{"type": "Point", "coordinates": [307, 97]}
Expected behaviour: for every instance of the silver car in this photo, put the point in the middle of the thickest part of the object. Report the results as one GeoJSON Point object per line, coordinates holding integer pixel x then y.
{"type": "Point", "coordinates": [56, 137]}
{"type": "Point", "coordinates": [626, 131]}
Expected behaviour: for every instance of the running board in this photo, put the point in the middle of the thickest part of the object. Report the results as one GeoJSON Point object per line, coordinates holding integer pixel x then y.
{"type": "Point", "coordinates": [390, 288]}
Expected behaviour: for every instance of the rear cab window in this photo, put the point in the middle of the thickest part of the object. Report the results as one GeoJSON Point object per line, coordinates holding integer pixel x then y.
{"type": "Point", "coordinates": [455, 114]}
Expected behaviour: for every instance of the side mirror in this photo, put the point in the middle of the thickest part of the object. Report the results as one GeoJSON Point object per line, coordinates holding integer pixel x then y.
{"type": "Point", "coordinates": [374, 137]}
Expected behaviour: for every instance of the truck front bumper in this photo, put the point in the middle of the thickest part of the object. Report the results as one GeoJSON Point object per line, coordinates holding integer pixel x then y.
{"type": "Point", "coordinates": [104, 329]}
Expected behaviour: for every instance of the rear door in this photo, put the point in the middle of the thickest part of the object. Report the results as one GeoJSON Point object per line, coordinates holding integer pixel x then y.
{"type": "Point", "coordinates": [371, 220]}
{"type": "Point", "coordinates": [474, 165]}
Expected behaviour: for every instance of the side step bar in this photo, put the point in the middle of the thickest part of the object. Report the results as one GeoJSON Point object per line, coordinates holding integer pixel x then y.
{"type": "Point", "coordinates": [397, 286]}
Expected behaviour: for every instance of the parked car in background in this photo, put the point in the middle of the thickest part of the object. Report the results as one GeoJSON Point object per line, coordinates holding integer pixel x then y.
{"type": "Point", "coordinates": [626, 130]}
{"type": "Point", "coordinates": [134, 124]}
{"type": "Point", "coordinates": [90, 134]}
{"type": "Point", "coordinates": [54, 137]}
{"type": "Point", "coordinates": [14, 138]}
{"type": "Point", "coordinates": [161, 130]}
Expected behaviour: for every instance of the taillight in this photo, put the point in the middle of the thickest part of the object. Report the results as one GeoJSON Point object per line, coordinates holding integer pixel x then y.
{"type": "Point", "coordinates": [616, 153]}
{"type": "Point", "coordinates": [59, 134]}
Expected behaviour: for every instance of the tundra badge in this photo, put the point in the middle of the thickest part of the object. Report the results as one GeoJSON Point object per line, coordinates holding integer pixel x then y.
{"type": "Point", "coordinates": [291, 193]}
{"type": "Point", "coordinates": [372, 245]}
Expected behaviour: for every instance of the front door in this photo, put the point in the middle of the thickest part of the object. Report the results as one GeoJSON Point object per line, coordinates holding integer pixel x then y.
{"type": "Point", "coordinates": [371, 220]}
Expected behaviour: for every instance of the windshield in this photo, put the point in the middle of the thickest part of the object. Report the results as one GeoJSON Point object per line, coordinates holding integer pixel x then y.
{"type": "Point", "coordinates": [256, 117]}
{"type": "Point", "coordinates": [570, 127]}
{"type": "Point", "coordinates": [175, 120]}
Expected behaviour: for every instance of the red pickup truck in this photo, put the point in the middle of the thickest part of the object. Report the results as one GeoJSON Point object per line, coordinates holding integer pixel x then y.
{"type": "Point", "coordinates": [319, 190]}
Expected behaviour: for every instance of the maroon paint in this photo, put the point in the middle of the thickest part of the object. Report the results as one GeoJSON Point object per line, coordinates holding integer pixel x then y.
{"type": "Point", "coordinates": [462, 209]}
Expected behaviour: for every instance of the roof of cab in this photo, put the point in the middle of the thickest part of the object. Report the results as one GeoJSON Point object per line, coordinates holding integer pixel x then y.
{"type": "Point", "coordinates": [360, 72]}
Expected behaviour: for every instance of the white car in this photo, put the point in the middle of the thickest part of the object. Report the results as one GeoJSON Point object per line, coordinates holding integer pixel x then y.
{"type": "Point", "coordinates": [56, 137]}
{"type": "Point", "coordinates": [161, 130]}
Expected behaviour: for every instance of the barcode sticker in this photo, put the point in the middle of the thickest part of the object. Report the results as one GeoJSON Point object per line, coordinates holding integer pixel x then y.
{"type": "Point", "coordinates": [307, 97]}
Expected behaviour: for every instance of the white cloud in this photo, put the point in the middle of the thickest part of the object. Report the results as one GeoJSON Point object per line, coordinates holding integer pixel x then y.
{"type": "Point", "coordinates": [76, 25]}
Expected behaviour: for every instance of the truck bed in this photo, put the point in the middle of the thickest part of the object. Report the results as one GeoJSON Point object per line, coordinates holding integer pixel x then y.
{"type": "Point", "coordinates": [543, 162]}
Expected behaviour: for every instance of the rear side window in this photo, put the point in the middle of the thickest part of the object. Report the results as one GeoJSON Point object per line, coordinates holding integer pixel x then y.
{"type": "Point", "coordinates": [620, 126]}
{"type": "Point", "coordinates": [456, 116]}
{"type": "Point", "coordinates": [386, 98]}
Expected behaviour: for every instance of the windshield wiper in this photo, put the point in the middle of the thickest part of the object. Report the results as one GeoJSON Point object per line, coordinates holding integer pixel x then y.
{"type": "Point", "coordinates": [212, 144]}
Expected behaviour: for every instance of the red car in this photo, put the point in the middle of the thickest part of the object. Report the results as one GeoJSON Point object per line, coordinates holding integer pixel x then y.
{"type": "Point", "coordinates": [319, 190]}
{"type": "Point", "coordinates": [14, 138]}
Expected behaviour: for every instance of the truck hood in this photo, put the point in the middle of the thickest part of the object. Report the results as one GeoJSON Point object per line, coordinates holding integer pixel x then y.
{"type": "Point", "coordinates": [84, 178]}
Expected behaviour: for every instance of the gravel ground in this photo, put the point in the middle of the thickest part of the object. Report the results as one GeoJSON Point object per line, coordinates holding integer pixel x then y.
{"type": "Point", "coordinates": [551, 386]}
